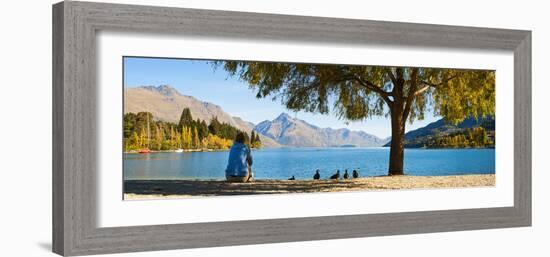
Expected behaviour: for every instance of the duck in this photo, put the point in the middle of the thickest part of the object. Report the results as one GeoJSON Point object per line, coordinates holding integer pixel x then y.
{"type": "Point", "coordinates": [317, 175]}
{"type": "Point", "coordinates": [292, 178]}
{"type": "Point", "coordinates": [346, 174]}
{"type": "Point", "coordinates": [355, 174]}
{"type": "Point", "coordinates": [336, 176]}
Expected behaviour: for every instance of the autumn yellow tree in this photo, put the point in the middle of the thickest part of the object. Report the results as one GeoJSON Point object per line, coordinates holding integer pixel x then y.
{"type": "Point", "coordinates": [143, 140]}
{"type": "Point", "coordinates": [196, 141]}
{"type": "Point", "coordinates": [159, 136]}
{"type": "Point", "coordinates": [185, 141]}
{"type": "Point", "coordinates": [172, 138]}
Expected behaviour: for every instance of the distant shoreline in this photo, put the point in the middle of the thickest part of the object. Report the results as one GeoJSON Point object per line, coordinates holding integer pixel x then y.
{"type": "Point", "coordinates": [165, 189]}
{"type": "Point", "coordinates": [442, 148]}
{"type": "Point", "coordinates": [174, 151]}
{"type": "Point", "coordinates": [306, 147]}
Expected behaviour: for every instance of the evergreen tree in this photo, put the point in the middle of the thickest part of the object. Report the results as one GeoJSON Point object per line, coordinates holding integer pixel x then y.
{"type": "Point", "coordinates": [215, 126]}
{"type": "Point", "coordinates": [129, 124]}
{"type": "Point", "coordinates": [186, 119]}
{"type": "Point", "coordinates": [252, 138]}
{"type": "Point", "coordinates": [258, 138]}
{"type": "Point", "coordinates": [203, 130]}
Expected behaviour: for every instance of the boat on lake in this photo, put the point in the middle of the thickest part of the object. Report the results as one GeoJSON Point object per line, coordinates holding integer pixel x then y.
{"type": "Point", "coordinates": [146, 150]}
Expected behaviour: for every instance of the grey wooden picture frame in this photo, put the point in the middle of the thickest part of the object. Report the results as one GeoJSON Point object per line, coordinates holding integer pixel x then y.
{"type": "Point", "coordinates": [75, 25]}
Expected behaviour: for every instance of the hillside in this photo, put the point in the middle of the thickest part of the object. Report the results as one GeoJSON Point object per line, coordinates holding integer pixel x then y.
{"type": "Point", "coordinates": [424, 136]}
{"type": "Point", "coordinates": [166, 104]}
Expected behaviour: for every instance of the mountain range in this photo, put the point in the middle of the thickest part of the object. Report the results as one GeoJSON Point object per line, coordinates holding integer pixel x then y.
{"type": "Point", "coordinates": [166, 104]}
{"type": "Point", "coordinates": [295, 132]}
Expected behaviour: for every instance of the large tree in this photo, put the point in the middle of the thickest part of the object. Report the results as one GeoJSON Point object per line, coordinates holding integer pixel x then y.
{"type": "Point", "coordinates": [355, 93]}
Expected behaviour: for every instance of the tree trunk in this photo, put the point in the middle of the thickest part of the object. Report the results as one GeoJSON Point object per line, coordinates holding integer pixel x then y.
{"type": "Point", "coordinates": [397, 147]}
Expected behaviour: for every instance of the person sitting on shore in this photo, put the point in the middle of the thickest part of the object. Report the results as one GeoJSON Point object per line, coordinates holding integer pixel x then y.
{"type": "Point", "coordinates": [317, 175]}
{"type": "Point", "coordinates": [336, 176]}
{"type": "Point", "coordinates": [346, 175]}
{"type": "Point", "coordinates": [355, 174]}
{"type": "Point", "coordinates": [239, 165]}
{"type": "Point", "coordinates": [292, 178]}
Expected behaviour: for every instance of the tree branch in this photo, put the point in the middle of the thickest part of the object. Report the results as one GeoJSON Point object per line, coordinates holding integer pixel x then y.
{"type": "Point", "coordinates": [392, 77]}
{"type": "Point", "coordinates": [369, 85]}
{"type": "Point", "coordinates": [428, 84]}
{"type": "Point", "coordinates": [421, 90]}
{"type": "Point", "coordinates": [308, 87]}
{"type": "Point", "coordinates": [385, 95]}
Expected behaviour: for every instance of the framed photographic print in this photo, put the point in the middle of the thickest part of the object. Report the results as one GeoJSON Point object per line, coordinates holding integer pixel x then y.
{"type": "Point", "coordinates": [183, 128]}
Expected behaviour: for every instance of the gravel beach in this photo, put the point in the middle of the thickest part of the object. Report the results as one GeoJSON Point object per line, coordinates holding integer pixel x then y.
{"type": "Point", "coordinates": [164, 189]}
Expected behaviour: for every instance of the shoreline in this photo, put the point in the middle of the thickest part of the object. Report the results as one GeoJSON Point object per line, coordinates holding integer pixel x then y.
{"type": "Point", "coordinates": [451, 148]}
{"type": "Point", "coordinates": [175, 151]}
{"type": "Point", "coordinates": [167, 189]}
{"type": "Point", "coordinates": [287, 147]}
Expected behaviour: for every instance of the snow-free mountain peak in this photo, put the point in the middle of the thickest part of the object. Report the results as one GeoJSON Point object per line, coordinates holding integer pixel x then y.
{"type": "Point", "coordinates": [284, 116]}
{"type": "Point", "coordinates": [165, 90]}
{"type": "Point", "coordinates": [295, 132]}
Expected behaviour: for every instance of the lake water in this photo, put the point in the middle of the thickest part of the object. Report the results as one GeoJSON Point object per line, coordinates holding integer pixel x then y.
{"type": "Point", "coordinates": [282, 163]}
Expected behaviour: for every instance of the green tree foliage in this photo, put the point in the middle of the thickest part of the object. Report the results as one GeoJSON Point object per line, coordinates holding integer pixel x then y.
{"type": "Point", "coordinates": [141, 131]}
{"type": "Point", "coordinates": [223, 130]}
{"type": "Point", "coordinates": [468, 138]}
{"type": "Point", "coordinates": [186, 119]}
{"type": "Point", "coordinates": [215, 126]}
{"type": "Point", "coordinates": [129, 124]}
{"type": "Point", "coordinates": [355, 93]}
{"type": "Point", "coordinates": [203, 129]}
{"type": "Point", "coordinates": [255, 141]}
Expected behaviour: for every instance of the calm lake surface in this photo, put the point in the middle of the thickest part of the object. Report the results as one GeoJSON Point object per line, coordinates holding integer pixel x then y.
{"type": "Point", "coordinates": [282, 163]}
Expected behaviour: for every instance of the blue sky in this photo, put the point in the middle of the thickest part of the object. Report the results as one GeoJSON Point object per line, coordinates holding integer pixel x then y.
{"type": "Point", "coordinates": [197, 78]}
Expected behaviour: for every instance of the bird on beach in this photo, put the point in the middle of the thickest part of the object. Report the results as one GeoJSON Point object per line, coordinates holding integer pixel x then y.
{"type": "Point", "coordinates": [346, 175]}
{"type": "Point", "coordinates": [355, 174]}
{"type": "Point", "coordinates": [336, 176]}
{"type": "Point", "coordinates": [292, 178]}
{"type": "Point", "coordinates": [317, 175]}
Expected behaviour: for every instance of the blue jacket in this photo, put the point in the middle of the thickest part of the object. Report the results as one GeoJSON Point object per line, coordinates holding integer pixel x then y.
{"type": "Point", "coordinates": [239, 160]}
